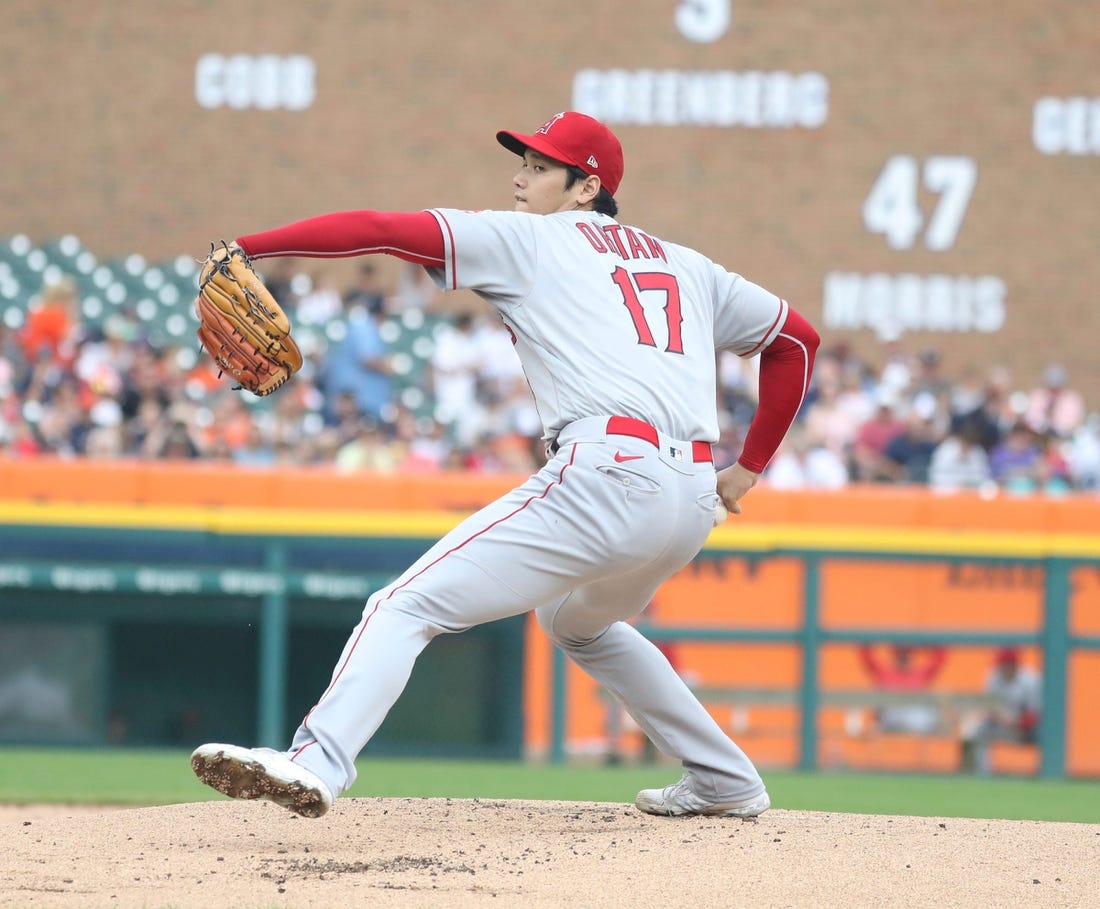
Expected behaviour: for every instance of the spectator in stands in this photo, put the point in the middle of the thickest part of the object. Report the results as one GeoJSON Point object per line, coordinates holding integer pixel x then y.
{"type": "Point", "coordinates": [930, 379]}
{"type": "Point", "coordinates": [279, 278]}
{"type": "Point", "coordinates": [988, 408]}
{"type": "Point", "coordinates": [499, 368]}
{"type": "Point", "coordinates": [53, 326]}
{"type": "Point", "coordinates": [370, 450]}
{"type": "Point", "coordinates": [360, 365]}
{"type": "Point", "coordinates": [289, 422]}
{"type": "Point", "coordinates": [347, 418]}
{"type": "Point", "coordinates": [1054, 406]}
{"type": "Point", "coordinates": [60, 419]}
{"type": "Point", "coordinates": [1083, 454]}
{"type": "Point", "coordinates": [1026, 462]}
{"type": "Point", "coordinates": [1053, 473]}
{"type": "Point", "coordinates": [415, 291]}
{"type": "Point", "coordinates": [9, 400]}
{"type": "Point", "coordinates": [801, 463]}
{"type": "Point", "coordinates": [321, 304]}
{"type": "Point", "coordinates": [504, 393]}
{"type": "Point", "coordinates": [1017, 691]}
{"type": "Point", "coordinates": [104, 443]}
{"type": "Point", "coordinates": [456, 362]}
{"type": "Point", "coordinates": [1014, 461]}
{"type": "Point", "coordinates": [231, 422]}
{"type": "Point", "coordinates": [968, 393]}
{"type": "Point", "coordinates": [830, 420]}
{"type": "Point", "coordinates": [256, 449]}
{"type": "Point", "coordinates": [731, 439]}
{"type": "Point", "coordinates": [366, 291]}
{"type": "Point", "coordinates": [147, 377]}
{"type": "Point", "coordinates": [905, 668]}
{"type": "Point", "coordinates": [738, 380]}
{"type": "Point", "coordinates": [173, 437]}
{"type": "Point", "coordinates": [908, 456]}
{"type": "Point", "coordinates": [959, 462]}
{"type": "Point", "coordinates": [869, 461]}
{"type": "Point", "coordinates": [899, 366]}
{"type": "Point", "coordinates": [18, 440]}
{"type": "Point", "coordinates": [423, 442]}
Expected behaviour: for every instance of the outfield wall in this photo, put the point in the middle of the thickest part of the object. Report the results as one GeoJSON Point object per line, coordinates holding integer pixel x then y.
{"type": "Point", "coordinates": [991, 580]}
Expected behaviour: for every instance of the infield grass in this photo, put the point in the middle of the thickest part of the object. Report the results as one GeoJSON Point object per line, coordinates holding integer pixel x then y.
{"type": "Point", "coordinates": [158, 777]}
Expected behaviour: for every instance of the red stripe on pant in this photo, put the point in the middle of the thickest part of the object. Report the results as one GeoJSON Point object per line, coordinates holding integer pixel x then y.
{"type": "Point", "coordinates": [453, 549]}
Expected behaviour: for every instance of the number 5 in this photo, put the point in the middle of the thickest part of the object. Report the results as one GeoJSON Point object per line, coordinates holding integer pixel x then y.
{"type": "Point", "coordinates": [703, 21]}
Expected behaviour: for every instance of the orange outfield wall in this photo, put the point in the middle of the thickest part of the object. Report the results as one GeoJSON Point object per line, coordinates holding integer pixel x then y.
{"type": "Point", "coordinates": [187, 483]}
{"type": "Point", "coordinates": [744, 591]}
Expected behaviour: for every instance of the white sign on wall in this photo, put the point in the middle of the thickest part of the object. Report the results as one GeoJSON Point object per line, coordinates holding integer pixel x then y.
{"type": "Point", "coordinates": [704, 21]}
{"type": "Point", "coordinates": [1066, 126]}
{"type": "Point", "coordinates": [721, 98]}
{"type": "Point", "coordinates": [892, 208]}
{"type": "Point", "coordinates": [259, 81]}
{"type": "Point", "coordinates": [895, 208]}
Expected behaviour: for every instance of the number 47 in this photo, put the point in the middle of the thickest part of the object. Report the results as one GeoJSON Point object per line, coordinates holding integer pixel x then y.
{"type": "Point", "coordinates": [892, 206]}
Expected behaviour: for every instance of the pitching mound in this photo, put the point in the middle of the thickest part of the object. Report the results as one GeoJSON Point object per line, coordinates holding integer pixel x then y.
{"type": "Point", "coordinates": [461, 852]}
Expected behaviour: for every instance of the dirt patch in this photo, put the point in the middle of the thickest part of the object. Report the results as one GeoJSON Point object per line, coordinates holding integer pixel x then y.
{"type": "Point", "coordinates": [473, 852]}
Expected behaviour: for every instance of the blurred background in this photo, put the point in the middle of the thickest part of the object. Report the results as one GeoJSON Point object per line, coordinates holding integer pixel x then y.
{"type": "Point", "coordinates": [915, 583]}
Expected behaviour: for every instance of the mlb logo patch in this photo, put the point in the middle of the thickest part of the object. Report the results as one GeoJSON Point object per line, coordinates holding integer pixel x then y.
{"type": "Point", "coordinates": [677, 453]}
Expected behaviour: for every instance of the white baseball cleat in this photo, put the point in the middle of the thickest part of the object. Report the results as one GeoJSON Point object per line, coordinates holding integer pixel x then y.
{"type": "Point", "coordinates": [680, 799]}
{"type": "Point", "coordinates": [261, 773]}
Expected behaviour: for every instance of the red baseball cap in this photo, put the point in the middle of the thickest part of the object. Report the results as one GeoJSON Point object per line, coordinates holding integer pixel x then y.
{"type": "Point", "coordinates": [575, 139]}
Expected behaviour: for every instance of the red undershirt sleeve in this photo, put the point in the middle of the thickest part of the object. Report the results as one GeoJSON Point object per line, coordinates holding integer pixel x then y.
{"type": "Point", "coordinates": [785, 369]}
{"type": "Point", "coordinates": [412, 236]}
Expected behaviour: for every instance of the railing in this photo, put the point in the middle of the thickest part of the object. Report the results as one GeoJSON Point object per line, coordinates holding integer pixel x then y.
{"type": "Point", "coordinates": [1057, 555]}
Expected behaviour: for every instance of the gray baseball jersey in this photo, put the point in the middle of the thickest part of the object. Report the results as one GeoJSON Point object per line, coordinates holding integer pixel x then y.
{"type": "Point", "coordinates": [606, 318]}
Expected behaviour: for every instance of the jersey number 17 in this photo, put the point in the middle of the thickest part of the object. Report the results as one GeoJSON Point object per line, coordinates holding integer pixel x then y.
{"type": "Point", "coordinates": [633, 285]}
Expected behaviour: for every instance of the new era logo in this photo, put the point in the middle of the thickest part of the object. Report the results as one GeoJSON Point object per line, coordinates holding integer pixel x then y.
{"type": "Point", "coordinates": [592, 162]}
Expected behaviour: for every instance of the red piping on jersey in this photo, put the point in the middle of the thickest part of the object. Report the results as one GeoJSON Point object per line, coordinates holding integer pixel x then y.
{"type": "Point", "coordinates": [452, 550]}
{"type": "Point", "coordinates": [451, 245]}
{"type": "Point", "coordinates": [779, 316]}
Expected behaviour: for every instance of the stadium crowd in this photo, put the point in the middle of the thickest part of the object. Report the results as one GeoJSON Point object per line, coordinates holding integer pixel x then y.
{"type": "Point", "coordinates": [72, 389]}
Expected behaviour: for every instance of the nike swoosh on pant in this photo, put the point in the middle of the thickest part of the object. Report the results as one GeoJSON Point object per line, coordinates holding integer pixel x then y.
{"type": "Point", "coordinates": [620, 457]}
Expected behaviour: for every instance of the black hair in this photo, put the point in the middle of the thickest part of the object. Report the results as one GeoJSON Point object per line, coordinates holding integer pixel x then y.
{"type": "Point", "coordinates": [604, 203]}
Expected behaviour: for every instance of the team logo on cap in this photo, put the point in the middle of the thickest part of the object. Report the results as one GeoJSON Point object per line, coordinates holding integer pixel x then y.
{"type": "Point", "coordinates": [545, 128]}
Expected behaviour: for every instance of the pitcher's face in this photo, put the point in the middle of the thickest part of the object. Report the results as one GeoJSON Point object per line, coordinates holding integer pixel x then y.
{"type": "Point", "coordinates": [540, 186]}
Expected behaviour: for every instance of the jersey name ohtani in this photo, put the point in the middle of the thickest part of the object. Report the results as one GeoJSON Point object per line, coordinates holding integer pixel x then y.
{"type": "Point", "coordinates": [626, 242]}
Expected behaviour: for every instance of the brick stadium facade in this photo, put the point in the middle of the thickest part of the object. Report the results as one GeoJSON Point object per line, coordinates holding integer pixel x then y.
{"type": "Point", "coordinates": [929, 168]}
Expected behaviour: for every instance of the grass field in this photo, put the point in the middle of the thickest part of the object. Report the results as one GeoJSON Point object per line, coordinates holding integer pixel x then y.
{"type": "Point", "coordinates": [139, 777]}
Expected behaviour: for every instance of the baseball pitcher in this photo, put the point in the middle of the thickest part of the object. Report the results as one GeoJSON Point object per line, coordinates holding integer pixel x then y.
{"type": "Point", "coordinates": [616, 330]}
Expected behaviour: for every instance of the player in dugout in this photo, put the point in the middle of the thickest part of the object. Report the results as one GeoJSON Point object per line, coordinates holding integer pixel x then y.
{"type": "Point", "coordinates": [617, 332]}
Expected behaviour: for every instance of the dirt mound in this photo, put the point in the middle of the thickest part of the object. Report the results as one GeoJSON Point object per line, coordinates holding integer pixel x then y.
{"type": "Point", "coordinates": [474, 852]}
